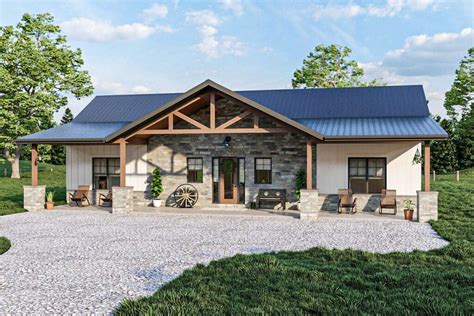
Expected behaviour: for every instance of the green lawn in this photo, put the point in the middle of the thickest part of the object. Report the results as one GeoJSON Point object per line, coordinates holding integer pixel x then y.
{"type": "Point", "coordinates": [11, 190]}
{"type": "Point", "coordinates": [336, 282]}
{"type": "Point", "coordinates": [4, 244]}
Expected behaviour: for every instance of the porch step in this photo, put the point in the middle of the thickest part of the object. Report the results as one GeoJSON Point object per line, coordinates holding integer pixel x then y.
{"type": "Point", "coordinates": [225, 207]}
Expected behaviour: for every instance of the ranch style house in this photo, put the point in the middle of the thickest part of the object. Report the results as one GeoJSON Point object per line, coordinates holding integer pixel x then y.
{"type": "Point", "coordinates": [229, 145]}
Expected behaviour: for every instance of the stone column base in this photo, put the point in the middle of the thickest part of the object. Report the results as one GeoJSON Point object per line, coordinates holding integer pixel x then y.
{"type": "Point", "coordinates": [309, 208]}
{"type": "Point", "coordinates": [122, 200]}
{"type": "Point", "coordinates": [426, 206]}
{"type": "Point", "coordinates": [34, 197]}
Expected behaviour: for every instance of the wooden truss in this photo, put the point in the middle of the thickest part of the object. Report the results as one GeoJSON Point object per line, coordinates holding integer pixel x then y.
{"type": "Point", "coordinates": [168, 121]}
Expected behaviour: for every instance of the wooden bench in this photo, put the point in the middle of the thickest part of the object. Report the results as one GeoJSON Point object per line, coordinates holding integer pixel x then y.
{"type": "Point", "coordinates": [271, 195]}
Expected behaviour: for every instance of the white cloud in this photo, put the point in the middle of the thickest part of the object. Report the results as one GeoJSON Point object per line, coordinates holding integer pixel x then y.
{"type": "Point", "coordinates": [165, 28]}
{"type": "Point", "coordinates": [207, 30]}
{"type": "Point", "coordinates": [235, 6]}
{"type": "Point", "coordinates": [203, 17]}
{"type": "Point", "coordinates": [430, 60]}
{"type": "Point", "coordinates": [349, 10]}
{"type": "Point", "coordinates": [116, 87]}
{"type": "Point", "coordinates": [85, 29]}
{"type": "Point", "coordinates": [140, 89]}
{"type": "Point", "coordinates": [212, 45]}
{"type": "Point", "coordinates": [437, 54]}
{"type": "Point", "coordinates": [266, 49]}
{"type": "Point", "coordinates": [157, 10]}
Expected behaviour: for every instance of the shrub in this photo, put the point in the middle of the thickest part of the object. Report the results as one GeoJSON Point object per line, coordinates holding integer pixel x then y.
{"type": "Point", "coordinates": [156, 183]}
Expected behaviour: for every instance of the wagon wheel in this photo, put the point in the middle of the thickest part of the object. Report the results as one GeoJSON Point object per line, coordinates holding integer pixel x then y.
{"type": "Point", "coordinates": [186, 195]}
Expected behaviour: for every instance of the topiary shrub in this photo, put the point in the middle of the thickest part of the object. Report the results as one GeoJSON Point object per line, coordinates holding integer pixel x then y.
{"type": "Point", "coordinates": [156, 183]}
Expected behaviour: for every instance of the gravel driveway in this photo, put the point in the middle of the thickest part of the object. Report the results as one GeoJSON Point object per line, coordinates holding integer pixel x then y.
{"type": "Point", "coordinates": [89, 261]}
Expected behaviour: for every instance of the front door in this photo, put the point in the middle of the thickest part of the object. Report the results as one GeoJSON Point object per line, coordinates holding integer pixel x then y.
{"type": "Point", "coordinates": [228, 189]}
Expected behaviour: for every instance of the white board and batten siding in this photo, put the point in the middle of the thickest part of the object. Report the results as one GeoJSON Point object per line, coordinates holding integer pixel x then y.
{"type": "Point", "coordinates": [402, 174]}
{"type": "Point", "coordinates": [79, 164]}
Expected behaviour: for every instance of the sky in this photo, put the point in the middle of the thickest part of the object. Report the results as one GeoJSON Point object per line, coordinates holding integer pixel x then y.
{"type": "Point", "coordinates": [170, 46]}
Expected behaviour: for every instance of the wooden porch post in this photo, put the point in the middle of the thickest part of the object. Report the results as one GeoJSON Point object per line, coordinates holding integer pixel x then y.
{"type": "Point", "coordinates": [309, 165]}
{"type": "Point", "coordinates": [213, 111]}
{"type": "Point", "coordinates": [427, 166]}
{"type": "Point", "coordinates": [123, 161]}
{"type": "Point", "coordinates": [34, 164]}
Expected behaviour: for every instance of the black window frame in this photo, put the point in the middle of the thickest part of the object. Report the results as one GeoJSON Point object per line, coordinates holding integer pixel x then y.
{"type": "Point", "coordinates": [108, 175]}
{"type": "Point", "coordinates": [195, 178]}
{"type": "Point", "coordinates": [255, 170]}
{"type": "Point", "coordinates": [366, 172]}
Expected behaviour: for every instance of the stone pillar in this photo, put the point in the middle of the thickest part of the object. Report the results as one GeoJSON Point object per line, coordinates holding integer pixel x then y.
{"type": "Point", "coordinates": [34, 197]}
{"type": "Point", "coordinates": [426, 206]}
{"type": "Point", "coordinates": [309, 204]}
{"type": "Point", "coordinates": [122, 200]}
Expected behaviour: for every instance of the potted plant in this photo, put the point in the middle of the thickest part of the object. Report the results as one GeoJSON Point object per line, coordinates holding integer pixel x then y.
{"type": "Point", "coordinates": [156, 186]}
{"type": "Point", "coordinates": [49, 200]}
{"type": "Point", "coordinates": [408, 208]}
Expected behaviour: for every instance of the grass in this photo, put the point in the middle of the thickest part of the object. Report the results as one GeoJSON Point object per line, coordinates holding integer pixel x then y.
{"type": "Point", "coordinates": [4, 245]}
{"type": "Point", "coordinates": [326, 281]}
{"type": "Point", "coordinates": [11, 192]}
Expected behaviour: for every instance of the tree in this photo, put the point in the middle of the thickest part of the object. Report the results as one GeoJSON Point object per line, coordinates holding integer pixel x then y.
{"type": "Point", "coordinates": [458, 104]}
{"type": "Point", "coordinates": [443, 152]}
{"type": "Point", "coordinates": [58, 152]}
{"type": "Point", "coordinates": [329, 67]}
{"type": "Point", "coordinates": [37, 72]}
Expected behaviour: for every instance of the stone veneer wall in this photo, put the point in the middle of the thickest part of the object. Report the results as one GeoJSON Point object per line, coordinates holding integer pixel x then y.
{"type": "Point", "coordinates": [170, 153]}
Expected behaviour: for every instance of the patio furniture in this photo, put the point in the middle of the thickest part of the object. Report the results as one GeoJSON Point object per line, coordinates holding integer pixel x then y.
{"type": "Point", "coordinates": [185, 196]}
{"type": "Point", "coordinates": [105, 199]}
{"type": "Point", "coordinates": [80, 195]}
{"type": "Point", "coordinates": [346, 201]}
{"type": "Point", "coordinates": [271, 195]}
{"type": "Point", "coordinates": [388, 200]}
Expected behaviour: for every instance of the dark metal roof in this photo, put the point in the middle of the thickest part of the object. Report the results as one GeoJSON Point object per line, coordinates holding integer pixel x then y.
{"type": "Point", "coordinates": [395, 111]}
{"type": "Point", "coordinates": [293, 103]}
{"type": "Point", "coordinates": [74, 132]}
{"type": "Point", "coordinates": [416, 126]}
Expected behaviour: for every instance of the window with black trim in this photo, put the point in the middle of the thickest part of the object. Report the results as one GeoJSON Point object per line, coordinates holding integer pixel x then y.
{"type": "Point", "coordinates": [367, 175]}
{"type": "Point", "coordinates": [105, 173]}
{"type": "Point", "coordinates": [263, 170]}
{"type": "Point", "coordinates": [195, 170]}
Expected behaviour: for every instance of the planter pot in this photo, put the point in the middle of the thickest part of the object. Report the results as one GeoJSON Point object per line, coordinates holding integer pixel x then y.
{"type": "Point", "coordinates": [156, 203]}
{"type": "Point", "coordinates": [408, 214]}
{"type": "Point", "coordinates": [49, 205]}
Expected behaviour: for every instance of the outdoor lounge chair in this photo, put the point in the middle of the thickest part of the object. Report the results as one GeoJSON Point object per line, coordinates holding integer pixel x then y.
{"type": "Point", "coordinates": [80, 195]}
{"type": "Point", "coordinates": [346, 201]}
{"type": "Point", "coordinates": [105, 199]}
{"type": "Point", "coordinates": [388, 200]}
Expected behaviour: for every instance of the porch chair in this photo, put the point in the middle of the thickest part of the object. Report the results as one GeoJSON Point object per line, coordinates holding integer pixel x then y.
{"type": "Point", "coordinates": [105, 199]}
{"type": "Point", "coordinates": [346, 201]}
{"type": "Point", "coordinates": [80, 195]}
{"type": "Point", "coordinates": [388, 199]}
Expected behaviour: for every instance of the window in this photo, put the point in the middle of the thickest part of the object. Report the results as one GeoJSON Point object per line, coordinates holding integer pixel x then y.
{"type": "Point", "coordinates": [195, 173]}
{"type": "Point", "coordinates": [367, 175]}
{"type": "Point", "coordinates": [263, 170]}
{"type": "Point", "coordinates": [106, 173]}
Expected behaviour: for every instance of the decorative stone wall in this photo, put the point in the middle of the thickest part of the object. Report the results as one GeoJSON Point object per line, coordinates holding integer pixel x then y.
{"type": "Point", "coordinates": [170, 153]}
{"type": "Point", "coordinates": [34, 197]}
{"type": "Point", "coordinates": [364, 202]}
{"type": "Point", "coordinates": [123, 200]}
{"type": "Point", "coordinates": [427, 206]}
{"type": "Point", "coordinates": [309, 204]}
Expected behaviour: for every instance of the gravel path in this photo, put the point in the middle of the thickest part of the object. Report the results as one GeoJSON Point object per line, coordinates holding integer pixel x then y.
{"type": "Point", "coordinates": [89, 261]}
